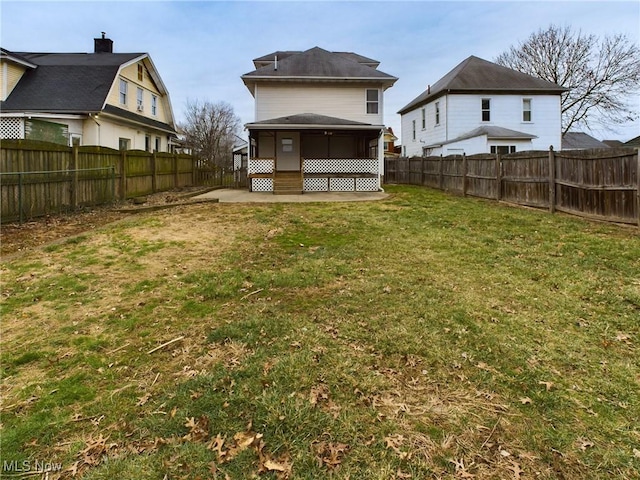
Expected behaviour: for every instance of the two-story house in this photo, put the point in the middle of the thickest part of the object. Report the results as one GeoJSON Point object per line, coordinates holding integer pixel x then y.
{"type": "Point", "coordinates": [115, 100]}
{"type": "Point", "coordinates": [482, 107]}
{"type": "Point", "coordinates": [318, 122]}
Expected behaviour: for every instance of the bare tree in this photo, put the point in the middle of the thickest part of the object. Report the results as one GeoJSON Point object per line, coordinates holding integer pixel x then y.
{"type": "Point", "coordinates": [210, 130]}
{"type": "Point", "coordinates": [602, 75]}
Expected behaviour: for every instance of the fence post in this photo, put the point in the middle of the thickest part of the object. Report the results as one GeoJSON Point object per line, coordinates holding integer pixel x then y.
{"type": "Point", "coordinates": [552, 180]}
{"type": "Point", "coordinates": [154, 173]}
{"type": "Point", "coordinates": [638, 186]}
{"type": "Point", "coordinates": [498, 177]}
{"type": "Point", "coordinates": [20, 215]}
{"type": "Point", "coordinates": [123, 175]}
{"type": "Point", "coordinates": [465, 166]}
{"type": "Point", "coordinates": [74, 177]}
{"type": "Point", "coordinates": [441, 175]}
{"type": "Point", "coordinates": [175, 172]}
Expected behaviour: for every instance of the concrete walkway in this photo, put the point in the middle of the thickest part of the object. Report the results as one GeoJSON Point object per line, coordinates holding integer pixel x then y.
{"type": "Point", "coordinates": [244, 196]}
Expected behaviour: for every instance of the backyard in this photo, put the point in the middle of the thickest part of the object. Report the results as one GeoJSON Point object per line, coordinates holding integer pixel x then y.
{"type": "Point", "coordinates": [422, 336]}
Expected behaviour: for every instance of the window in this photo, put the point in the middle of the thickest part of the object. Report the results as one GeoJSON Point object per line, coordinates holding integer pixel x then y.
{"type": "Point", "coordinates": [503, 149]}
{"type": "Point", "coordinates": [424, 119]}
{"type": "Point", "coordinates": [154, 105]}
{"type": "Point", "coordinates": [123, 92]}
{"type": "Point", "coordinates": [437, 113]}
{"type": "Point", "coordinates": [140, 72]}
{"type": "Point", "coordinates": [147, 143]}
{"type": "Point", "coordinates": [139, 98]}
{"type": "Point", "coordinates": [486, 110]}
{"type": "Point", "coordinates": [123, 143]}
{"type": "Point", "coordinates": [287, 145]}
{"type": "Point", "coordinates": [526, 109]}
{"type": "Point", "coordinates": [372, 101]}
{"type": "Point", "coordinates": [414, 130]}
{"type": "Point", "coordinates": [158, 144]}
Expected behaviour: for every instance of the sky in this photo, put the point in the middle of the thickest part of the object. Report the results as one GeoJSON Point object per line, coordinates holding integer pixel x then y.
{"type": "Point", "coordinates": [201, 48]}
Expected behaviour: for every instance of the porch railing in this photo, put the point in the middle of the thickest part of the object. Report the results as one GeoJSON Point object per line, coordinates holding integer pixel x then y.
{"type": "Point", "coordinates": [261, 165]}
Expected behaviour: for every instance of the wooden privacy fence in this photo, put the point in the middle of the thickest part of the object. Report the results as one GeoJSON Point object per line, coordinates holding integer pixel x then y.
{"type": "Point", "coordinates": [38, 178]}
{"type": "Point", "coordinates": [602, 184]}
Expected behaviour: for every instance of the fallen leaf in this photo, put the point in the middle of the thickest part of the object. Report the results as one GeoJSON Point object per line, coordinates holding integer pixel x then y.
{"type": "Point", "coordinates": [525, 400]}
{"type": "Point", "coordinates": [515, 467]}
{"type": "Point", "coordinates": [548, 385]}
{"type": "Point", "coordinates": [278, 467]}
{"type": "Point", "coordinates": [636, 453]}
{"type": "Point", "coordinates": [143, 399]}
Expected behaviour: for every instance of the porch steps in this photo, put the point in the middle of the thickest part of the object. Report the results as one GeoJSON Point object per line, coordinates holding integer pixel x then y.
{"type": "Point", "coordinates": [287, 183]}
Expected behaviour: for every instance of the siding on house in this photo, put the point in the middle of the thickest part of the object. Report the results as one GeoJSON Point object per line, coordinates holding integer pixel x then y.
{"type": "Point", "coordinates": [461, 113]}
{"type": "Point", "coordinates": [10, 75]}
{"type": "Point", "coordinates": [130, 74]}
{"type": "Point", "coordinates": [336, 100]}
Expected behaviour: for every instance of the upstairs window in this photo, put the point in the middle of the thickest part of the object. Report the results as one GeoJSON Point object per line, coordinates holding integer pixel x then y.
{"type": "Point", "coordinates": [139, 98]}
{"type": "Point", "coordinates": [413, 130]}
{"type": "Point", "coordinates": [154, 105]}
{"type": "Point", "coordinates": [372, 100]}
{"type": "Point", "coordinates": [140, 72]}
{"type": "Point", "coordinates": [526, 109]}
{"type": "Point", "coordinates": [486, 110]}
{"type": "Point", "coordinates": [123, 92]}
{"type": "Point", "coordinates": [424, 119]}
{"type": "Point", "coordinates": [437, 113]}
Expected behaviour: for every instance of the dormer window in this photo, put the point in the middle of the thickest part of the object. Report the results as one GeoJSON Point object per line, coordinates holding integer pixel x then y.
{"type": "Point", "coordinates": [372, 100]}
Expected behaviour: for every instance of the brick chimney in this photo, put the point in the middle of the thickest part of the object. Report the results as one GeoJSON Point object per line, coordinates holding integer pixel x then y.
{"type": "Point", "coordinates": [103, 45]}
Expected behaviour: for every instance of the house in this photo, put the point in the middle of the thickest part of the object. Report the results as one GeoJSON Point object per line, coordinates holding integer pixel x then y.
{"type": "Point", "coordinates": [389, 143]}
{"type": "Point", "coordinates": [115, 100]}
{"type": "Point", "coordinates": [581, 141]}
{"type": "Point", "coordinates": [634, 142]}
{"type": "Point", "coordinates": [318, 122]}
{"type": "Point", "coordinates": [482, 107]}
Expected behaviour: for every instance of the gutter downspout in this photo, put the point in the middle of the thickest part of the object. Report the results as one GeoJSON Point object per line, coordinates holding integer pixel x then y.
{"type": "Point", "coordinates": [92, 117]}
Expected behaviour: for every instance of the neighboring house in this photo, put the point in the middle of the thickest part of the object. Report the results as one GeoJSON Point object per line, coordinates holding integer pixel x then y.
{"type": "Point", "coordinates": [115, 100]}
{"type": "Point", "coordinates": [581, 141]}
{"type": "Point", "coordinates": [481, 107]}
{"type": "Point", "coordinates": [389, 143]}
{"type": "Point", "coordinates": [318, 122]}
{"type": "Point", "coordinates": [614, 143]}
{"type": "Point", "coordinates": [634, 142]}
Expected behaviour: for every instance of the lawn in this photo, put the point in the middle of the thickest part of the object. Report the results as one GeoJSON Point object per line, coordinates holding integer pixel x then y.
{"type": "Point", "coordinates": [422, 336]}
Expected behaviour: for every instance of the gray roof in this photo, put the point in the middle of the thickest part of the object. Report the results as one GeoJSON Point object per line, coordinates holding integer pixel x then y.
{"type": "Point", "coordinates": [318, 64]}
{"type": "Point", "coordinates": [475, 75]}
{"type": "Point", "coordinates": [269, 59]}
{"type": "Point", "coordinates": [634, 142]}
{"type": "Point", "coordinates": [312, 120]}
{"type": "Point", "coordinates": [580, 140]}
{"type": "Point", "coordinates": [492, 132]}
{"type": "Point", "coordinates": [66, 82]}
{"type": "Point", "coordinates": [74, 83]}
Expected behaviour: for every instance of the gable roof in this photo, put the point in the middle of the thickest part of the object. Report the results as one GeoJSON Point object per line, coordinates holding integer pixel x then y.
{"type": "Point", "coordinates": [475, 75]}
{"type": "Point", "coordinates": [67, 82]}
{"type": "Point", "coordinates": [15, 58]}
{"type": "Point", "coordinates": [634, 142]}
{"type": "Point", "coordinates": [574, 140]}
{"type": "Point", "coordinates": [492, 133]}
{"type": "Point", "coordinates": [317, 64]}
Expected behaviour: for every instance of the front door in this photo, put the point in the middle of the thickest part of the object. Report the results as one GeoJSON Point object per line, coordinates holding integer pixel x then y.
{"type": "Point", "coordinates": [288, 151]}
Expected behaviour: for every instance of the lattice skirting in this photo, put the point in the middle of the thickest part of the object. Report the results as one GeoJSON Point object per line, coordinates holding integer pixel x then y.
{"type": "Point", "coordinates": [367, 185]}
{"type": "Point", "coordinates": [341, 184]}
{"type": "Point", "coordinates": [316, 184]}
{"type": "Point", "coordinates": [11, 128]}
{"type": "Point", "coordinates": [262, 184]}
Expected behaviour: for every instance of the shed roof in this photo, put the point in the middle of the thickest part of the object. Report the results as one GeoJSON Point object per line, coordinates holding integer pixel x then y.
{"type": "Point", "coordinates": [492, 133]}
{"type": "Point", "coordinates": [475, 75]}
{"type": "Point", "coordinates": [311, 120]}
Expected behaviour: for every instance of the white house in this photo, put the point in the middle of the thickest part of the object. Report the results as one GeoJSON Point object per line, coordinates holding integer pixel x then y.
{"type": "Point", "coordinates": [481, 107]}
{"type": "Point", "coordinates": [115, 100]}
{"type": "Point", "coordinates": [318, 122]}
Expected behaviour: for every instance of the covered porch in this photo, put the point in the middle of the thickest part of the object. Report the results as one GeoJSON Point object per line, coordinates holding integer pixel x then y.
{"type": "Point", "coordinates": [314, 153]}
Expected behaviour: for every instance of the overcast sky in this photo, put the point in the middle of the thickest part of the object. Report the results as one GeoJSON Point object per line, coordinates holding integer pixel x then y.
{"type": "Point", "coordinates": [202, 48]}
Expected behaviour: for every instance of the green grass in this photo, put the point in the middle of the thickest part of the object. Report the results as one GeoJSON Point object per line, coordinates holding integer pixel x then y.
{"type": "Point", "coordinates": [425, 335]}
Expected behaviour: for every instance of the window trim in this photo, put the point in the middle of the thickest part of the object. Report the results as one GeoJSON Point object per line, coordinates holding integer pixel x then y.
{"type": "Point", "coordinates": [140, 99]}
{"type": "Point", "coordinates": [437, 113]}
{"type": "Point", "coordinates": [486, 110]}
{"type": "Point", "coordinates": [124, 91]}
{"type": "Point", "coordinates": [375, 102]}
{"type": "Point", "coordinates": [424, 118]}
{"type": "Point", "coordinates": [529, 110]}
